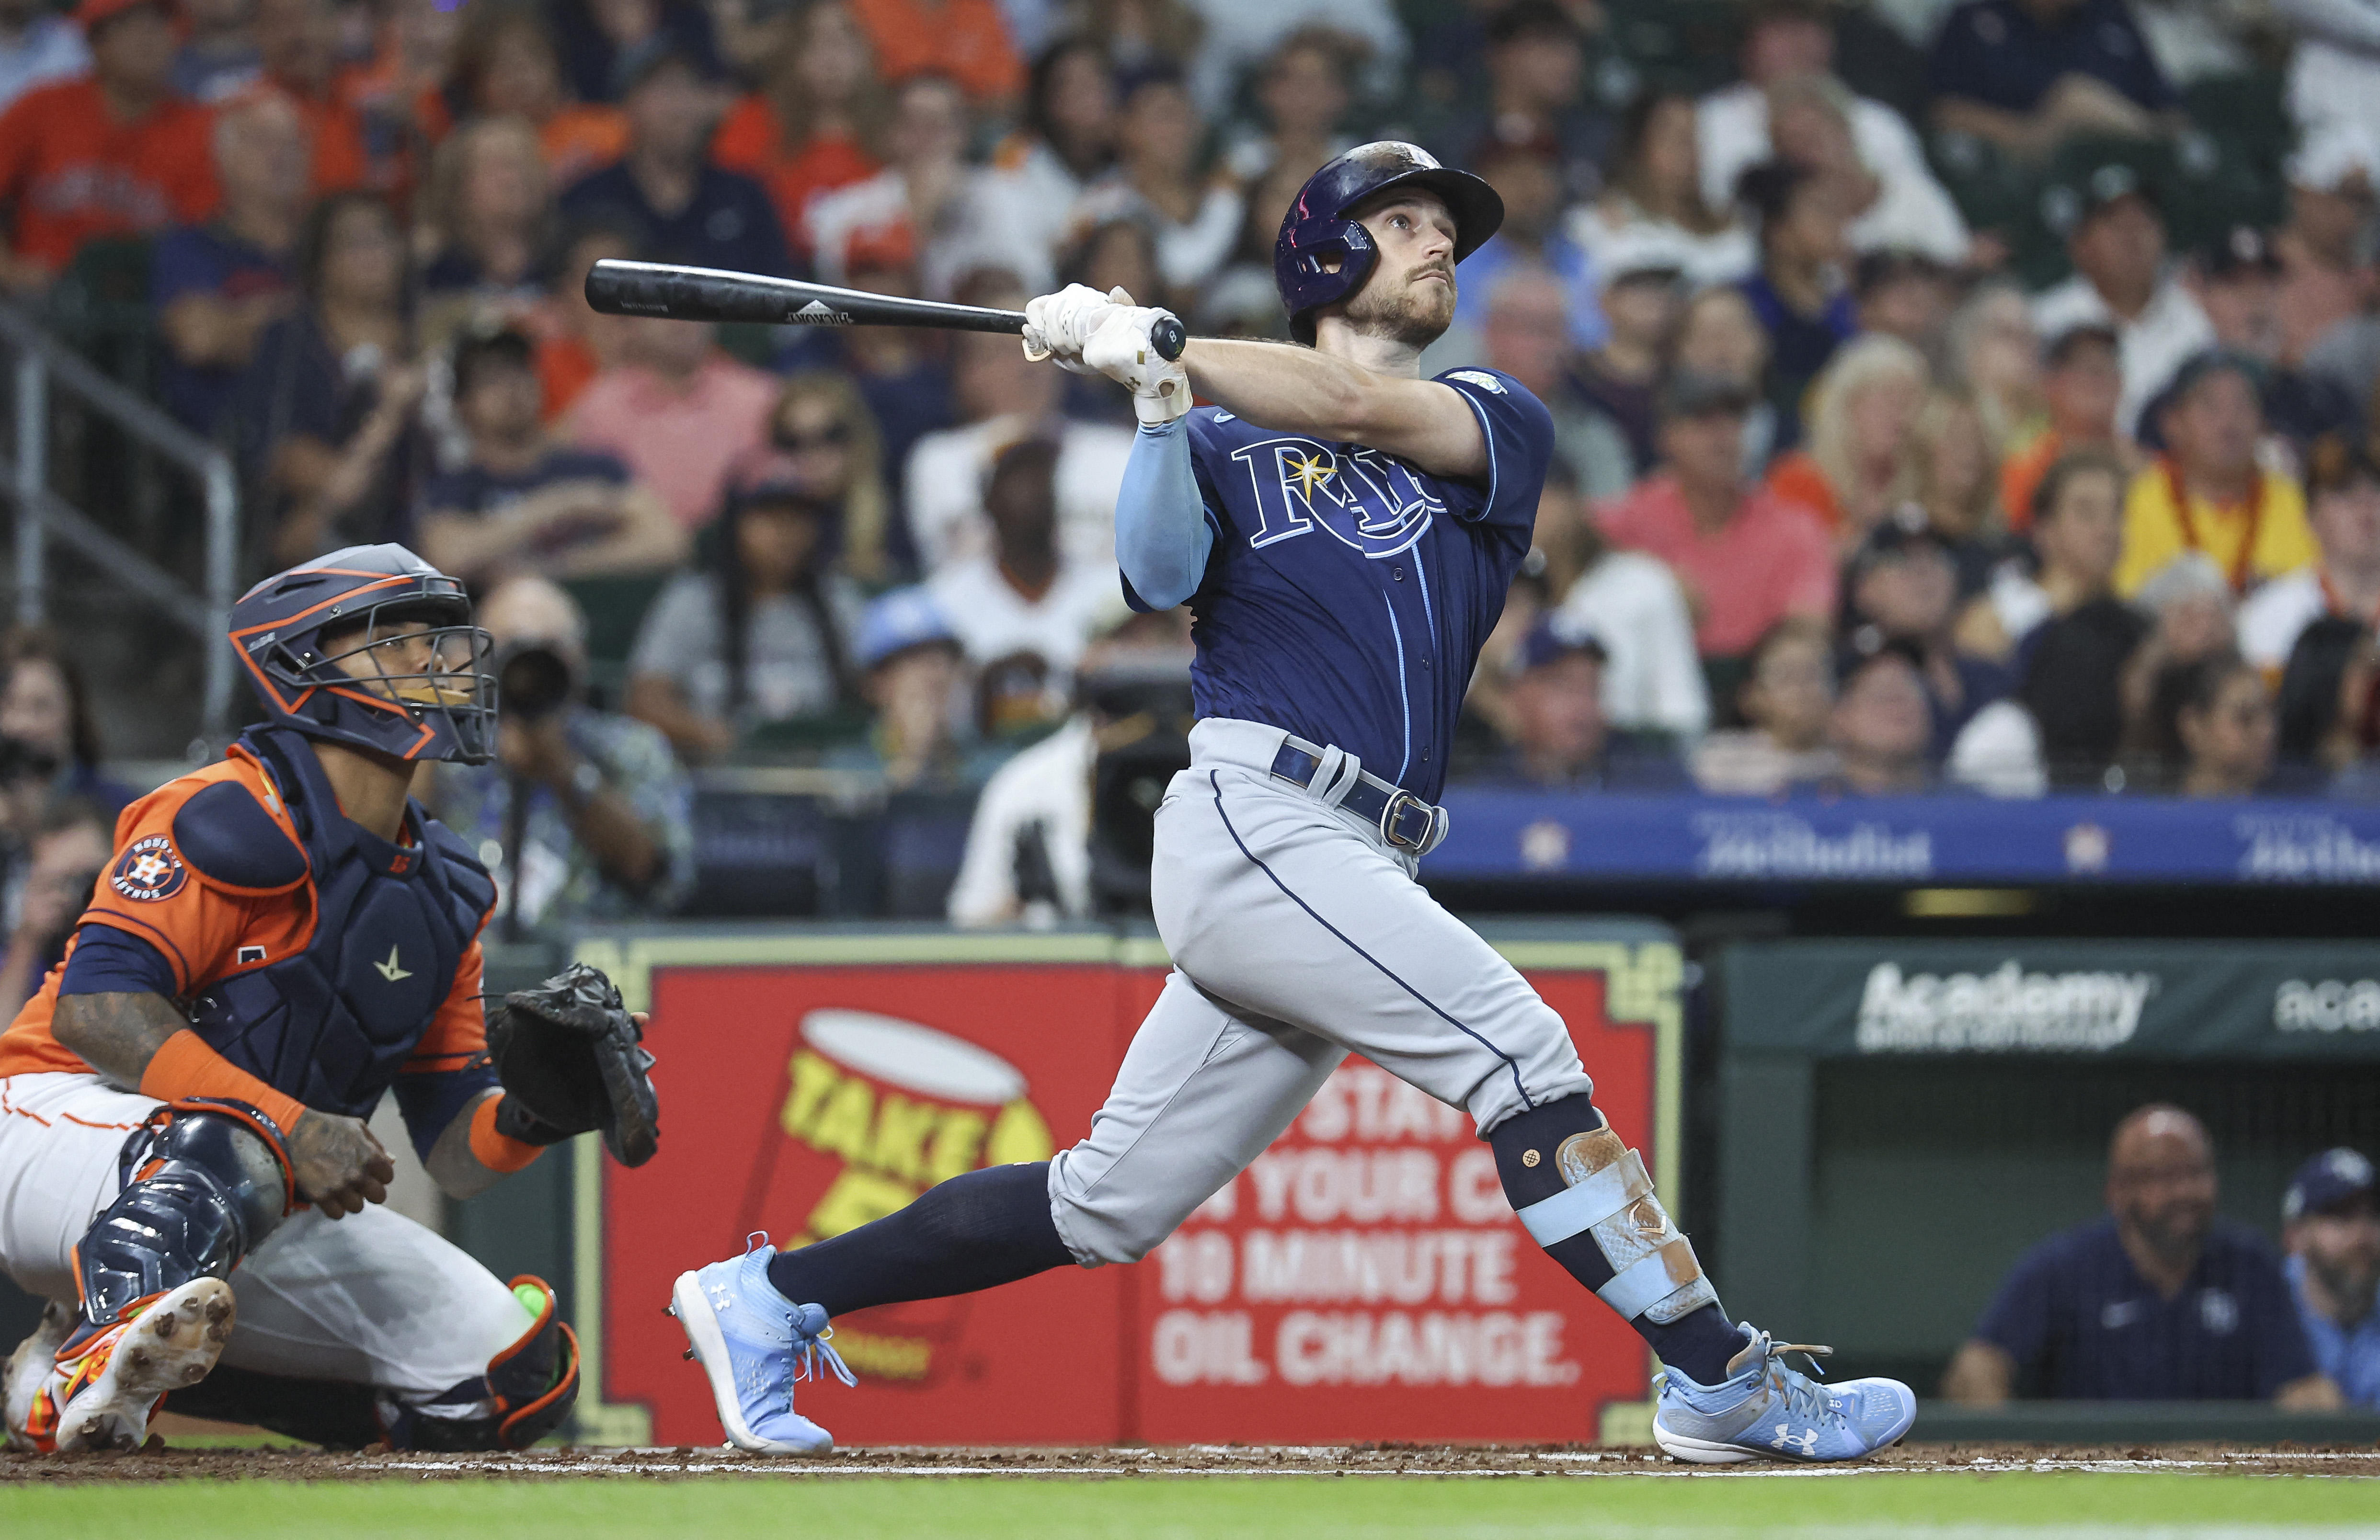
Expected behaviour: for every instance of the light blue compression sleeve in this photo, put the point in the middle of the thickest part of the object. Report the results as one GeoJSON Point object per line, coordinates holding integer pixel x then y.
{"type": "Point", "coordinates": [1162, 536]}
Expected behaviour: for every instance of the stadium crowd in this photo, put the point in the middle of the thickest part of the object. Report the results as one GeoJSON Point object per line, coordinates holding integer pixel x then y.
{"type": "Point", "coordinates": [1969, 395]}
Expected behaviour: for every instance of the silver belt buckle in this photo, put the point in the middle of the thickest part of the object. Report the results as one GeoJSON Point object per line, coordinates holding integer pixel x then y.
{"type": "Point", "coordinates": [1397, 802]}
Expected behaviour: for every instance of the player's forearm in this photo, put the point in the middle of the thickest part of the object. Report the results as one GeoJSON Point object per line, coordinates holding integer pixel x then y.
{"type": "Point", "coordinates": [1297, 390]}
{"type": "Point", "coordinates": [454, 1166]}
{"type": "Point", "coordinates": [117, 1034]}
{"type": "Point", "coordinates": [1162, 538]}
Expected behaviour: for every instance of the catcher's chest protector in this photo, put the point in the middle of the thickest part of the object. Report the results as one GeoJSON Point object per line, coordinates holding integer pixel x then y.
{"type": "Point", "coordinates": [332, 1024]}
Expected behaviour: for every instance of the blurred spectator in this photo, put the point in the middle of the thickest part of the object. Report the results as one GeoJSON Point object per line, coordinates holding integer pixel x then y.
{"type": "Point", "coordinates": [1881, 724]}
{"type": "Point", "coordinates": [2343, 494]}
{"type": "Point", "coordinates": [764, 637]}
{"type": "Point", "coordinates": [1798, 294]}
{"type": "Point", "coordinates": [1990, 346]}
{"type": "Point", "coordinates": [218, 285]}
{"type": "Point", "coordinates": [1302, 95]}
{"type": "Point", "coordinates": [1787, 699]}
{"type": "Point", "coordinates": [2330, 1230]}
{"type": "Point", "coordinates": [1789, 104]}
{"type": "Point", "coordinates": [1527, 338]}
{"type": "Point", "coordinates": [833, 451]}
{"type": "Point", "coordinates": [678, 410]}
{"type": "Point", "coordinates": [506, 66]}
{"type": "Point", "coordinates": [1721, 339]}
{"type": "Point", "coordinates": [1159, 180]}
{"type": "Point", "coordinates": [681, 206]}
{"type": "Point", "coordinates": [46, 726]}
{"type": "Point", "coordinates": [1561, 740]}
{"type": "Point", "coordinates": [492, 215]}
{"type": "Point", "coordinates": [912, 673]}
{"type": "Point", "coordinates": [1746, 557]}
{"type": "Point", "coordinates": [1235, 36]}
{"type": "Point", "coordinates": [2207, 493]}
{"type": "Point", "coordinates": [922, 205]}
{"type": "Point", "coordinates": [601, 39]}
{"type": "Point", "coordinates": [904, 377]}
{"type": "Point", "coordinates": [2326, 719]}
{"type": "Point", "coordinates": [1642, 301]}
{"type": "Point", "coordinates": [69, 849]}
{"type": "Point", "coordinates": [584, 815]}
{"type": "Point", "coordinates": [575, 343]}
{"type": "Point", "coordinates": [1028, 194]}
{"type": "Point", "coordinates": [2072, 637]}
{"type": "Point", "coordinates": [324, 412]}
{"type": "Point", "coordinates": [1901, 587]}
{"type": "Point", "coordinates": [2027, 75]}
{"type": "Point", "coordinates": [2333, 84]}
{"type": "Point", "coordinates": [38, 46]}
{"type": "Point", "coordinates": [1535, 98]}
{"type": "Point", "coordinates": [964, 42]}
{"type": "Point", "coordinates": [1632, 605]}
{"type": "Point", "coordinates": [813, 125]}
{"type": "Point", "coordinates": [1006, 399]}
{"type": "Point", "coordinates": [2216, 730]}
{"type": "Point", "coordinates": [2121, 280]}
{"type": "Point", "coordinates": [522, 502]}
{"type": "Point", "coordinates": [398, 91]}
{"type": "Point", "coordinates": [1955, 477]}
{"type": "Point", "coordinates": [2081, 383]}
{"type": "Point", "coordinates": [218, 57]}
{"type": "Point", "coordinates": [2326, 278]}
{"type": "Point", "coordinates": [113, 153]}
{"type": "Point", "coordinates": [2159, 1301]}
{"type": "Point", "coordinates": [1905, 295]}
{"type": "Point", "coordinates": [1131, 33]}
{"type": "Point", "coordinates": [298, 42]}
{"type": "Point", "coordinates": [1024, 595]}
{"type": "Point", "coordinates": [1654, 199]}
{"type": "Point", "coordinates": [2237, 281]}
{"type": "Point", "coordinates": [1855, 464]}
{"type": "Point", "coordinates": [2189, 606]}
{"type": "Point", "coordinates": [1533, 235]}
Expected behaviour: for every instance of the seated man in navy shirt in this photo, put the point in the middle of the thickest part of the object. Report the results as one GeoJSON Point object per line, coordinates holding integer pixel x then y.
{"type": "Point", "coordinates": [1561, 741]}
{"type": "Point", "coordinates": [2159, 1301]}
{"type": "Point", "coordinates": [664, 189]}
{"type": "Point", "coordinates": [2027, 74]}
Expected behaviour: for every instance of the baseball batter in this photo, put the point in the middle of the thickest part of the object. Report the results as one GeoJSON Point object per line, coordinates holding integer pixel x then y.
{"type": "Point", "coordinates": [1344, 532]}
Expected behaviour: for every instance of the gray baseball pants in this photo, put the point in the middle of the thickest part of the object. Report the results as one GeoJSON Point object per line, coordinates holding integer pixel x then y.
{"type": "Point", "coordinates": [1298, 936]}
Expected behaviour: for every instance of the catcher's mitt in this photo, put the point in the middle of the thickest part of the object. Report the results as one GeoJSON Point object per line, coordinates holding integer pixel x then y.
{"type": "Point", "coordinates": [572, 1060]}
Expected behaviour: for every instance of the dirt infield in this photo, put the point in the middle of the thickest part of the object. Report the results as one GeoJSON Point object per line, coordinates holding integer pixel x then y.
{"type": "Point", "coordinates": [162, 1464]}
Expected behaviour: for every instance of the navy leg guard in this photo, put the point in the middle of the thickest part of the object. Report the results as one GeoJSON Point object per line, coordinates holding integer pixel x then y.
{"type": "Point", "coordinates": [209, 1182]}
{"type": "Point", "coordinates": [973, 1231]}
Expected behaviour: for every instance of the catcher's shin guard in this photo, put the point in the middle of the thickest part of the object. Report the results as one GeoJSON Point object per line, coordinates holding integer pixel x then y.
{"type": "Point", "coordinates": [526, 1393]}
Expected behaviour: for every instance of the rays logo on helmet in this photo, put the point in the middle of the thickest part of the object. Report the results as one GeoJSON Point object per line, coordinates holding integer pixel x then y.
{"type": "Point", "coordinates": [149, 870]}
{"type": "Point", "coordinates": [1369, 501]}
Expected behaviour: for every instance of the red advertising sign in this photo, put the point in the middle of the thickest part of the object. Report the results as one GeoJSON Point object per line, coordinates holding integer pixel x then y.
{"type": "Point", "coordinates": [1364, 1279]}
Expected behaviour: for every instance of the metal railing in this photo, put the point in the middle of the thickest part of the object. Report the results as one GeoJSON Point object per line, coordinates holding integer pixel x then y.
{"type": "Point", "coordinates": [37, 361]}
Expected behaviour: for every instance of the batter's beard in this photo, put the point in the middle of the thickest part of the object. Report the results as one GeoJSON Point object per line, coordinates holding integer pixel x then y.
{"type": "Point", "coordinates": [1410, 316]}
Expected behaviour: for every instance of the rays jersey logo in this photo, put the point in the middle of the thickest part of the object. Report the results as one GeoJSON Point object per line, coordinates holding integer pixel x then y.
{"type": "Point", "coordinates": [1367, 499]}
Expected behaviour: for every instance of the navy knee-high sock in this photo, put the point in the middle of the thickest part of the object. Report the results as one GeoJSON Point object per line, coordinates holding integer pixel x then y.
{"type": "Point", "coordinates": [1697, 1345]}
{"type": "Point", "coordinates": [975, 1230]}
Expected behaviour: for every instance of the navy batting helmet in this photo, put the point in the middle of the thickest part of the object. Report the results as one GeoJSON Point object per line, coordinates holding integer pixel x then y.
{"type": "Point", "coordinates": [324, 652]}
{"type": "Point", "coordinates": [1317, 227]}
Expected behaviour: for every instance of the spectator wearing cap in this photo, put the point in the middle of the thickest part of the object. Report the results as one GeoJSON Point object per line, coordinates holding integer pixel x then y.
{"type": "Point", "coordinates": [1655, 198]}
{"type": "Point", "coordinates": [1559, 737]}
{"type": "Point", "coordinates": [1799, 294]}
{"type": "Point", "coordinates": [2342, 490]}
{"type": "Point", "coordinates": [2237, 281]}
{"type": "Point", "coordinates": [113, 153]}
{"type": "Point", "coordinates": [1652, 680]}
{"type": "Point", "coordinates": [1855, 464]}
{"type": "Point", "coordinates": [298, 46]}
{"type": "Point", "coordinates": [763, 638]}
{"type": "Point", "coordinates": [681, 207]}
{"type": "Point", "coordinates": [676, 411]}
{"type": "Point", "coordinates": [964, 41]}
{"type": "Point", "coordinates": [1906, 295]}
{"type": "Point", "coordinates": [2207, 493]}
{"type": "Point", "coordinates": [1532, 235]}
{"type": "Point", "coordinates": [218, 284]}
{"type": "Point", "coordinates": [1786, 699]}
{"type": "Point", "coordinates": [1527, 337]}
{"type": "Point", "coordinates": [925, 207]}
{"type": "Point", "coordinates": [1746, 557]}
{"type": "Point", "coordinates": [1161, 180]}
{"type": "Point", "coordinates": [2069, 636]}
{"type": "Point", "coordinates": [812, 125]}
{"type": "Point", "coordinates": [2330, 1231]}
{"type": "Point", "coordinates": [912, 675]}
{"type": "Point", "coordinates": [2027, 75]}
{"type": "Point", "coordinates": [1023, 595]}
{"type": "Point", "coordinates": [2121, 280]}
{"type": "Point", "coordinates": [523, 502]}
{"type": "Point", "coordinates": [1880, 727]}
{"type": "Point", "coordinates": [2082, 386]}
{"type": "Point", "coordinates": [37, 45]}
{"type": "Point", "coordinates": [1642, 300]}
{"type": "Point", "coordinates": [1901, 585]}
{"type": "Point", "coordinates": [2158, 1301]}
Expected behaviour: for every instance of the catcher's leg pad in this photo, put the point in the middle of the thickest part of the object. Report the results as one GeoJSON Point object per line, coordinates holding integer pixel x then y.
{"type": "Point", "coordinates": [210, 1180]}
{"type": "Point", "coordinates": [1606, 1193]}
{"type": "Point", "coordinates": [527, 1392]}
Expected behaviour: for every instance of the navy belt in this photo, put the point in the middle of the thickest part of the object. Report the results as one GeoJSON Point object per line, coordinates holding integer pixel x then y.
{"type": "Point", "coordinates": [1403, 819]}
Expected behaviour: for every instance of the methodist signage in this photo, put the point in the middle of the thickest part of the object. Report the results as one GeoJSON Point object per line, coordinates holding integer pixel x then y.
{"type": "Point", "coordinates": [1363, 1279]}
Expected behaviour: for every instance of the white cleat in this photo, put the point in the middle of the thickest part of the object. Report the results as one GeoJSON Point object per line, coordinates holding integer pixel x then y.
{"type": "Point", "coordinates": [103, 1394]}
{"type": "Point", "coordinates": [28, 1371]}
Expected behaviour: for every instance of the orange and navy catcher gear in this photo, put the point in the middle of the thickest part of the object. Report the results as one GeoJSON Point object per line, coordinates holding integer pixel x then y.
{"type": "Point", "coordinates": [1323, 255]}
{"type": "Point", "coordinates": [298, 632]}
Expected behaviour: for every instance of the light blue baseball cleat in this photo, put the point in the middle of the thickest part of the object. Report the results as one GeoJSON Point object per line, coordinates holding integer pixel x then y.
{"type": "Point", "coordinates": [754, 1344]}
{"type": "Point", "coordinates": [1765, 1409]}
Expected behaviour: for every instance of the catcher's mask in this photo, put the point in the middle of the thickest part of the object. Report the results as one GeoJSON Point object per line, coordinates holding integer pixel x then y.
{"type": "Point", "coordinates": [373, 647]}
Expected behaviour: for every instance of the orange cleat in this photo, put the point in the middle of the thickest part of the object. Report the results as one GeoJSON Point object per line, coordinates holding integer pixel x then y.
{"type": "Point", "coordinates": [101, 1391]}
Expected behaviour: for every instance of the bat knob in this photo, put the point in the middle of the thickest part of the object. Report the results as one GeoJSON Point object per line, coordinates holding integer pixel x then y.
{"type": "Point", "coordinates": [1167, 338]}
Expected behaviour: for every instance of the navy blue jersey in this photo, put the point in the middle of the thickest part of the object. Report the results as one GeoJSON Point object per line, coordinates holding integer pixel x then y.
{"type": "Point", "coordinates": [2082, 1325]}
{"type": "Point", "coordinates": [1348, 593]}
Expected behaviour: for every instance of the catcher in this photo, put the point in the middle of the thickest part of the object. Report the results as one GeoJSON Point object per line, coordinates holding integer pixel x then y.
{"type": "Point", "coordinates": [282, 937]}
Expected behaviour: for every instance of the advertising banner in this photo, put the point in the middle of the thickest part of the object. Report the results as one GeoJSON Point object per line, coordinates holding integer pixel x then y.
{"type": "Point", "coordinates": [1364, 1279]}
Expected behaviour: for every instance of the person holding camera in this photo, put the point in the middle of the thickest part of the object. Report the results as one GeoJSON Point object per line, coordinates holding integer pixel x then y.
{"type": "Point", "coordinates": [584, 814]}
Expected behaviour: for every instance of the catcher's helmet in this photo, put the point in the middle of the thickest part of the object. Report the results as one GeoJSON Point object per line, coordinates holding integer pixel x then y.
{"type": "Point", "coordinates": [1318, 225]}
{"type": "Point", "coordinates": [320, 650]}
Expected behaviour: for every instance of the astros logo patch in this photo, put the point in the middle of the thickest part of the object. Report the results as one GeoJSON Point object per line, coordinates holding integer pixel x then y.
{"type": "Point", "coordinates": [149, 869]}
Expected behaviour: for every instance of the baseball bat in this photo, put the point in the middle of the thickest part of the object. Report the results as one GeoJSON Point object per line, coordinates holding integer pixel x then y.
{"type": "Point", "coordinates": [677, 293]}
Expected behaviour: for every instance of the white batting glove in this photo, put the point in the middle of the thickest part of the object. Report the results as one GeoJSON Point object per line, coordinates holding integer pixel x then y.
{"type": "Point", "coordinates": [1122, 350]}
{"type": "Point", "coordinates": [1057, 325]}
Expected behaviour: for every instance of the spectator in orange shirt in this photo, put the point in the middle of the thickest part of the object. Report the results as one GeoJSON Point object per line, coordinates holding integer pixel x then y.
{"type": "Point", "coordinates": [962, 38]}
{"type": "Point", "coordinates": [573, 342]}
{"type": "Point", "coordinates": [114, 154]}
{"type": "Point", "coordinates": [813, 125]}
{"type": "Point", "coordinates": [300, 42]}
{"type": "Point", "coordinates": [396, 93]}
{"type": "Point", "coordinates": [2082, 382]}
{"type": "Point", "coordinates": [506, 66]}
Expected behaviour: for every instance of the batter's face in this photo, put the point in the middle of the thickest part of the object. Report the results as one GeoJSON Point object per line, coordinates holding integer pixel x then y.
{"type": "Point", "coordinates": [1409, 298]}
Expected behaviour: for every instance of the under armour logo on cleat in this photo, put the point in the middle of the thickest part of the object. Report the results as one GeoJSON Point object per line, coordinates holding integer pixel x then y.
{"type": "Point", "coordinates": [1806, 1444]}
{"type": "Point", "coordinates": [390, 970]}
